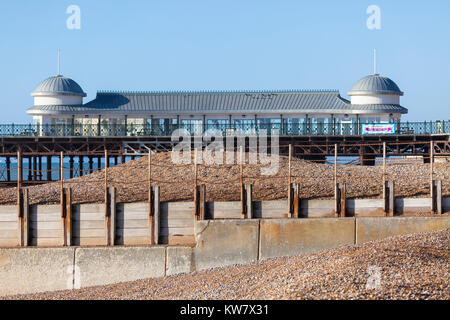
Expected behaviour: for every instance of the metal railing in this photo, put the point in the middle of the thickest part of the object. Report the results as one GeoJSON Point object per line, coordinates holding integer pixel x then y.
{"type": "Point", "coordinates": [282, 128]}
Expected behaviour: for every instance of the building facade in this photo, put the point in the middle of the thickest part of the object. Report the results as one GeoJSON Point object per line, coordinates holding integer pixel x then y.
{"type": "Point", "coordinates": [58, 105]}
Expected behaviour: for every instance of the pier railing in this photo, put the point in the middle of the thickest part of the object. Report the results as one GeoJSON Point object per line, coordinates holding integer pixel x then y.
{"type": "Point", "coordinates": [287, 127]}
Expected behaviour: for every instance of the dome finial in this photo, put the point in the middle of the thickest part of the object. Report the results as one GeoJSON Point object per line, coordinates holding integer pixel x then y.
{"type": "Point", "coordinates": [375, 61]}
{"type": "Point", "coordinates": [59, 62]}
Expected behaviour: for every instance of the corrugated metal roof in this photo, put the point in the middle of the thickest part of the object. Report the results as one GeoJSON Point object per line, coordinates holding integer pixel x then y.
{"type": "Point", "coordinates": [375, 84]}
{"type": "Point", "coordinates": [294, 101]}
{"type": "Point", "coordinates": [58, 85]}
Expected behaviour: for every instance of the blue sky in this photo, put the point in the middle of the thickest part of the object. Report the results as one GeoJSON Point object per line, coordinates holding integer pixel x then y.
{"type": "Point", "coordinates": [212, 44]}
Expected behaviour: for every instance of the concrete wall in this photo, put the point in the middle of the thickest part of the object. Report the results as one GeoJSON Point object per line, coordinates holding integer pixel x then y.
{"type": "Point", "coordinates": [368, 229]}
{"type": "Point", "coordinates": [29, 270]}
{"type": "Point", "coordinates": [221, 242]}
{"type": "Point", "coordinates": [101, 266]}
{"type": "Point", "coordinates": [291, 237]}
{"type": "Point", "coordinates": [9, 228]}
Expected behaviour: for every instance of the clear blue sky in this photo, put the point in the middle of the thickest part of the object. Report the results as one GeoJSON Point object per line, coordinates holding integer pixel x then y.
{"type": "Point", "coordinates": [226, 44]}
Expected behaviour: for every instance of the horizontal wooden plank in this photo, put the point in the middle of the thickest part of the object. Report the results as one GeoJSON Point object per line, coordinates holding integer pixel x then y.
{"type": "Point", "coordinates": [47, 225]}
{"type": "Point", "coordinates": [175, 206]}
{"type": "Point", "coordinates": [132, 232]}
{"type": "Point", "coordinates": [88, 224]}
{"type": "Point", "coordinates": [89, 208]}
{"type": "Point", "coordinates": [9, 234]}
{"type": "Point", "coordinates": [178, 240]}
{"type": "Point", "coordinates": [132, 241]}
{"type": "Point", "coordinates": [174, 223]}
{"type": "Point", "coordinates": [42, 233]}
{"type": "Point", "coordinates": [46, 218]}
{"type": "Point", "coordinates": [9, 243]}
{"type": "Point", "coordinates": [132, 216]}
{"type": "Point", "coordinates": [88, 216]}
{"type": "Point", "coordinates": [124, 224]}
{"type": "Point", "coordinates": [8, 210]}
{"type": "Point", "coordinates": [227, 215]}
{"type": "Point", "coordinates": [88, 233]}
{"type": "Point", "coordinates": [46, 242]}
{"type": "Point", "coordinates": [4, 226]}
{"type": "Point", "coordinates": [317, 204]}
{"type": "Point", "coordinates": [76, 241]}
{"type": "Point", "coordinates": [133, 207]}
{"type": "Point", "coordinates": [176, 231]}
{"type": "Point", "coordinates": [44, 209]}
{"type": "Point", "coordinates": [8, 217]}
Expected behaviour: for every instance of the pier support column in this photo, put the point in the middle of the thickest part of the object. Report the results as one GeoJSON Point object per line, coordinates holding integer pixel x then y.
{"type": "Point", "coordinates": [71, 167]}
{"type": "Point", "coordinates": [8, 168]}
{"type": "Point", "coordinates": [49, 167]}
{"type": "Point", "coordinates": [81, 162]}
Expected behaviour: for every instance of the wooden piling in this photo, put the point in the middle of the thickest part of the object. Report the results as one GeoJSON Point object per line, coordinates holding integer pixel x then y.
{"type": "Point", "coordinates": [384, 173]}
{"type": "Point", "coordinates": [297, 201]}
{"type": "Point", "coordinates": [156, 215]}
{"type": "Point", "coordinates": [106, 187]}
{"type": "Point", "coordinates": [439, 197]}
{"type": "Point", "coordinates": [391, 198]}
{"type": "Point", "coordinates": [68, 218]}
{"type": "Point", "coordinates": [343, 201]}
{"type": "Point", "coordinates": [19, 182]}
{"type": "Point", "coordinates": [249, 201]}
{"type": "Point", "coordinates": [25, 219]}
{"type": "Point", "coordinates": [337, 197]}
{"type": "Point", "coordinates": [112, 215]}
{"type": "Point", "coordinates": [196, 204]}
{"type": "Point", "coordinates": [150, 192]}
{"type": "Point", "coordinates": [290, 187]}
{"type": "Point", "coordinates": [202, 209]}
{"type": "Point", "coordinates": [49, 168]}
{"type": "Point", "coordinates": [61, 182]}
{"type": "Point", "coordinates": [8, 169]}
{"type": "Point", "coordinates": [241, 179]}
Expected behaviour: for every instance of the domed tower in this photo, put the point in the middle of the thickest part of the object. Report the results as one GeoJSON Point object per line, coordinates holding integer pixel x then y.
{"type": "Point", "coordinates": [58, 90]}
{"type": "Point", "coordinates": [375, 89]}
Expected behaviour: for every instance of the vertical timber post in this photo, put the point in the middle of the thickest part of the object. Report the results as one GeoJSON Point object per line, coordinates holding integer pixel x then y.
{"type": "Point", "coordinates": [196, 204]}
{"type": "Point", "coordinates": [157, 214]}
{"type": "Point", "coordinates": [241, 179]}
{"type": "Point", "coordinates": [249, 200]}
{"type": "Point", "coordinates": [297, 201]}
{"type": "Point", "coordinates": [336, 185]}
{"type": "Point", "coordinates": [290, 186]}
{"type": "Point", "coordinates": [68, 194]}
{"type": "Point", "coordinates": [337, 200]}
{"type": "Point", "coordinates": [112, 215]}
{"type": "Point", "coordinates": [202, 209]}
{"type": "Point", "coordinates": [439, 197]}
{"type": "Point", "coordinates": [150, 194]}
{"type": "Point", "coordinates": [343, 201]}
{"type": "Point", "coordinates": [61, 183]}
{"type": "Point", "coordinates": [391, 199]}
{"type": "Point", "coordinates": [107, 218]}
{"type": "Point", "coordinates": [384, 175]}
{"type": "Point", "coordinates": [26, 218]}
{"type": "Point", "coordinates": [432, 189]}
